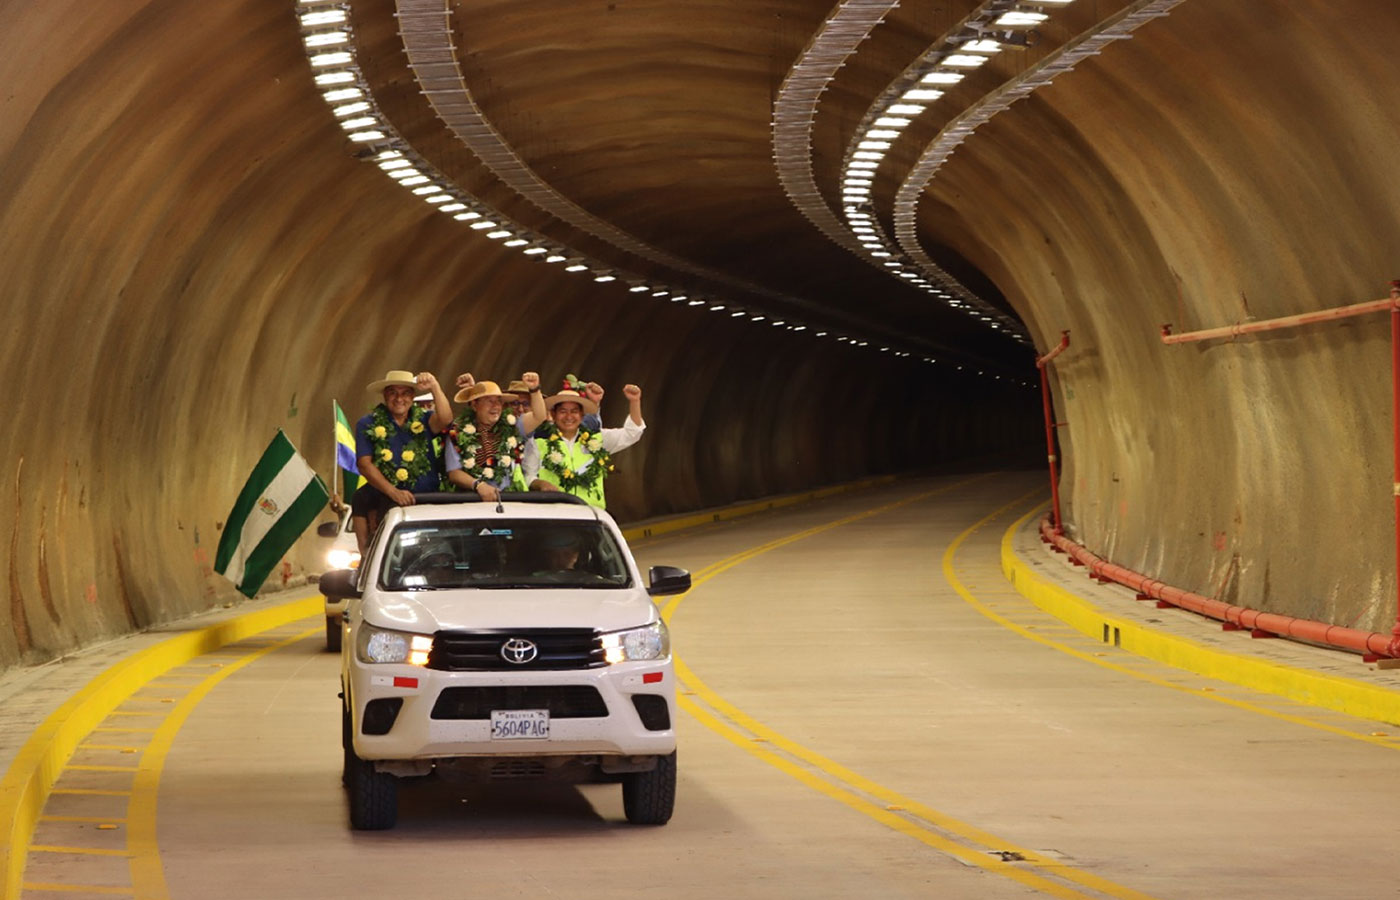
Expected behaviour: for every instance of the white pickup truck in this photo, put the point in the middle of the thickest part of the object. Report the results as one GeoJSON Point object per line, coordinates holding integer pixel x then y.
{"type": "Point", "coordinates": [505, 640]}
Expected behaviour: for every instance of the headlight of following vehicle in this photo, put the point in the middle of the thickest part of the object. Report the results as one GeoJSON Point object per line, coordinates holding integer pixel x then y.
{"type": "Point", "coordinates": [343, 559]}
{"type": "Point", "coordinates": [648, 642]}
{"type": "Point", "coordinates": [380, 645]}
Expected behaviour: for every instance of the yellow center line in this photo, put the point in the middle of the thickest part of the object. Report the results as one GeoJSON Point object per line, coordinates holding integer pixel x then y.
{"type": "Point", "coordinates": [147, 874]}
{"type": "Point", "coordinates": [851, 786]}
{"type": "Point", "coordinates": [1125, 669]}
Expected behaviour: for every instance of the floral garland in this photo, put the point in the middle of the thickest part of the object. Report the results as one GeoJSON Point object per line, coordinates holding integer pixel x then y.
{"type": "Point", "coordinates": [467, 439]}
{"type": "Point", "coordinates": [414, 460]}
{"type": "Point", "coordinates": [569, 479]}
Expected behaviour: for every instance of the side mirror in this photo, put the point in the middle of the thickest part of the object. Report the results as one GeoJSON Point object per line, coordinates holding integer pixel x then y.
{"type": "Point", "coordinates": [339, 583]}
{"type": "Point", "coordinates": [328, 529]}
{"type": "Point", "coordinates": [668, 580]}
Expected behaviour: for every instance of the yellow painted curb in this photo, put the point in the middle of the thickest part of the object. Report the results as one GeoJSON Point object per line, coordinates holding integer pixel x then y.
{"type": "Point", "coordinates": [1355, 698]}
{"type": "Point", "coordinates": [705, 517]}
{"type": "Point", "coordinates": [32, 774]}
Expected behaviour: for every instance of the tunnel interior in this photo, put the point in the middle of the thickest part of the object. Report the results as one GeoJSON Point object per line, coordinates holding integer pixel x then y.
{"type": "Point", "coordinates": [197, 254]}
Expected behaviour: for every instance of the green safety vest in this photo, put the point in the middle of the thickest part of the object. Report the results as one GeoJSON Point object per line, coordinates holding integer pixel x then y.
{"type": "Point", "coordinates": [573, 457]}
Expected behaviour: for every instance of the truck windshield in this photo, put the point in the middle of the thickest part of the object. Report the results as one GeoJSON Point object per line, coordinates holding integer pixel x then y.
{"type": "Point", "coordinates": [502, 554]}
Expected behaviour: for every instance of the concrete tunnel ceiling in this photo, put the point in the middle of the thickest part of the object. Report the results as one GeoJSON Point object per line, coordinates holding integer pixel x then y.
{"type": "Point", "coordinates": [196, 254]}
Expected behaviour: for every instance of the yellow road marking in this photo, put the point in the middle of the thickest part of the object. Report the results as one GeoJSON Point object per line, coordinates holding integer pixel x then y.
{"type": "Point", "coordinates": [100, 768]}
{"type": "Point", "coordinates": [1125, 669]}
{"type": "Point", "coordinates": [147, 874]}
{"type": "Point", "coordinates": [90, 792]}
{"type": "Point", "coordinates": [1031, 870]}
{"type": "Point", "coordinates": [98, 819]}
{"type": "Point", "coordinates": [122, 747]}
{"type": "Point", "coordinates": [77, 888]}
{"type": "Point", "coordinates": [86, 851]}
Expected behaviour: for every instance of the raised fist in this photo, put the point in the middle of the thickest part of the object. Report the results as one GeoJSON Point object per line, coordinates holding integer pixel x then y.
{"type": "Point", "coordinates": [531, 379]}
{"type": "Point", "coordinates": [631, 392]}
{"type": "Point", "coordinates": [593, 391]}
{"type": "Point", "coordinates": [465, 380]}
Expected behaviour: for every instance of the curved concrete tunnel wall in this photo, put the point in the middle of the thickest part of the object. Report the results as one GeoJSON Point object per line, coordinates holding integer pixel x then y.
{"type": "Point", "coordinates": [192, 259]}
{"type": "Point", "coordinates": [1232, 161]}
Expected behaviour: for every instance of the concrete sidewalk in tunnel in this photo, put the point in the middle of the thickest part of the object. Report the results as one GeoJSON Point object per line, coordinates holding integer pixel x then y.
{"type": "Point", "coordinates": [835, 642]}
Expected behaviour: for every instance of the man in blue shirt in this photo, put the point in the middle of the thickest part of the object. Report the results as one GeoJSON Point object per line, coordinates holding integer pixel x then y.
{"type": "Point", "coordinates": [394, 448]}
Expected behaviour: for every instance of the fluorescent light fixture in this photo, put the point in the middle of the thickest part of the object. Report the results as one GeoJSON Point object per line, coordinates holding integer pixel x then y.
{"type": "Point", "coordinates": [390, 154]}
{"type": "Point", "coordinates": [576, 267]}
{"type": "Point", "coordinates": [660, 293]}
{"type": "Point", "coordinates": [873, 145]}
{"type": "Point", "coordinates": [340, 58]}
{"type": "Point", "coordinates": [635, 289]}
{"type": "Point", "coordinates": [857, 214]}
{"type": "Point", "coordinates": [717, 307]}
{"type": "Point", "coordinates": [942, 78]}
{"type": "Point", "coordinates": [326, 39]}
{"type": "Point", "coordinates": [350, 108]}
{"type": "Point", "coordinates": [453, 207]}
{"type": "Point", "coordinates": [855, 192]}
{"type": "Point", "coordinates": [482, 225]}
{"type": "Point", "coordinates": [467, 216]}
{"type": "Point", "coordinates": [425, 189]}
{"type": "Point", "coordinates": [697, 302]}
{"type": "Point", "coordinates": [893, 263]}
{"type": "Point", "coordinates": [964, 60]}
{"type": "Point", "coordinates": [982, 46]}
{"type": "Point", "coordinates": [335, 77]}
{"type": "Point", "coordinates": [516, 242]}
{"type": "Point", "coordinates": [851, 181]}
{"type": "Point", "coordinates": [389, 165]}
{"type": "Point", "coordinates": [874, 245]}
{"type": "Point", "coordinates": [921, 94]}
{"type": "Point", "coordinates": [340, 94]}
{"type": "Point", "coordinates": [736, 314]}
{"type": "Point", "coordinates": [435, 199]}
{"type": "Point", "coordinates": [329, 17]}
{"type": "Point", "coordinates": [907, 275]}
{"type": "Point", "coordinates": [821, 334]}
{"type": "Point", "coordinates": [881, 253]}
{"type": "Point", "coordinates": [360, 122]}
{"type": "Point", "coordinates": [757, 318]}
{"type": "Point", "coordinates": [904, 109]}
{"type": "Point", "coordinates": [891, 122]}
{"type": "Point", "coordinates": [555, 258]}
{"type": "Point", "coordinates": [363, 136]}
{"type": "Point", "coordinates": [864, 164]}
{"type": "Point", "coordinates": [1016, 19]}
{"type": "Point", "coordinates": [535, 251]}
{"type": "Point", "coordinates": [867, 154]}
{"type": "Point", "coordinates": [799, 328]}
{"type": "Point", "coordinates": [603, 279]}
{"type": "Point", "coordinates": [497, 235]}
{"type": "Point", "coordinates": [882, 133]}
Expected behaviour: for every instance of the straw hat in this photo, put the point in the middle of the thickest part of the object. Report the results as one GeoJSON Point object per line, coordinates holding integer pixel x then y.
{"type": "Point", "coordinates": [479, 390]}
{"type": "Point", "coordinates": [518, 387]}
{"type": "Point", "coordinates": [589, 407]}
{"type": "Point", "coordinates": [394, 377]}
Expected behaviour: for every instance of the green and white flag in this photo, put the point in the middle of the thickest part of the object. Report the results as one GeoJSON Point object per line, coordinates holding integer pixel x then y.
{"type": "Point", "coordinates": [282, 498]}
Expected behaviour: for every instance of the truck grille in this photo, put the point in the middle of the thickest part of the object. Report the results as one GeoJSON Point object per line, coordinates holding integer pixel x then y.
{"type": "Point", "coordinates": [556, 648]}
{"type": "Point", "coordinates": [565, 701]}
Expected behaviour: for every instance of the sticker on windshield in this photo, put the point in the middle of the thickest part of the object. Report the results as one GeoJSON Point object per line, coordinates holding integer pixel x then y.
{"type": "Point", "coordinates": [494, 532]}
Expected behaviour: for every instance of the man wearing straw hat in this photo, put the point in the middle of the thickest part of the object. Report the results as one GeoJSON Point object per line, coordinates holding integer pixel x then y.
{"type": "Point", "coordinates": [486, 442]}
{"type": "Point", "coordinates": [577, 461]}
{"type": "Point", "coordinates": [394, 447]}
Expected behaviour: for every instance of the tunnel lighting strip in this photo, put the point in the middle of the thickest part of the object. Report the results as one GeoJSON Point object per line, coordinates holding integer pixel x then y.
{"type": "Point", "coordinates": [982, 34]}
{"type": "Point", "coordinates": [425, 28]}
{"type": "Point", "coordinates": [794, 115]}
{"type": "Point", "coordinates": [327, 38]}
{"type": "Point", "coordinates": [1117, 27]}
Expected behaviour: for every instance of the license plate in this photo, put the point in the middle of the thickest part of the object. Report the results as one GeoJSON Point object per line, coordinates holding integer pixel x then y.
{"type": "Point", "coordinates": [514, 724]}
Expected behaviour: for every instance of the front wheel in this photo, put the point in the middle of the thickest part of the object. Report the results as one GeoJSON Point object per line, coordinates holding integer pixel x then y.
{"type": "Point", "coordinates": [374, 796]}
{"type": "Point", "coordinates": [648, 798]}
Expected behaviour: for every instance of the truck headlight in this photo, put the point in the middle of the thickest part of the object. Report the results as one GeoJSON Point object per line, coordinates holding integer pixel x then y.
{"type": "Point", "coordinates": [648, 642]}
{"type": "Point", "coordinates": [380, 645]}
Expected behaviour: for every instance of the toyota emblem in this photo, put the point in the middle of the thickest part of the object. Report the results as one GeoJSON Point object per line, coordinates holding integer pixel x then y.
{"type": "Point", "coordinates": [519, 651]}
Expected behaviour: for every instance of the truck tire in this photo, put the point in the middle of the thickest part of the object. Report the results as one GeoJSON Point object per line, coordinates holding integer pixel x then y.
{"type": "Point", "coordinates": [648, 798]}
{"type": "Point", "coordinates": [333, 634]}
{"type": "Point", "coordinates": [374, 796]}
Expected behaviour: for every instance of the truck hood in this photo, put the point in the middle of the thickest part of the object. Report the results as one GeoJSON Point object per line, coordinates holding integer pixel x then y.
{"type": "Point", "coordinates": [425, 612]}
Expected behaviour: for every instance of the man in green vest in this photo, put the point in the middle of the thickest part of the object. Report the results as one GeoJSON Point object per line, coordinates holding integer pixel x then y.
{"type": "Point", "coordinates": [577, 461]}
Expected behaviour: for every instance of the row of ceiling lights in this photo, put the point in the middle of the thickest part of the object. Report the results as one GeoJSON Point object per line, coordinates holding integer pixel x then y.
{"type": "Point", "coordinates": [940, 69]}
{"type": "Point", "coordinates": [325, 26]}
